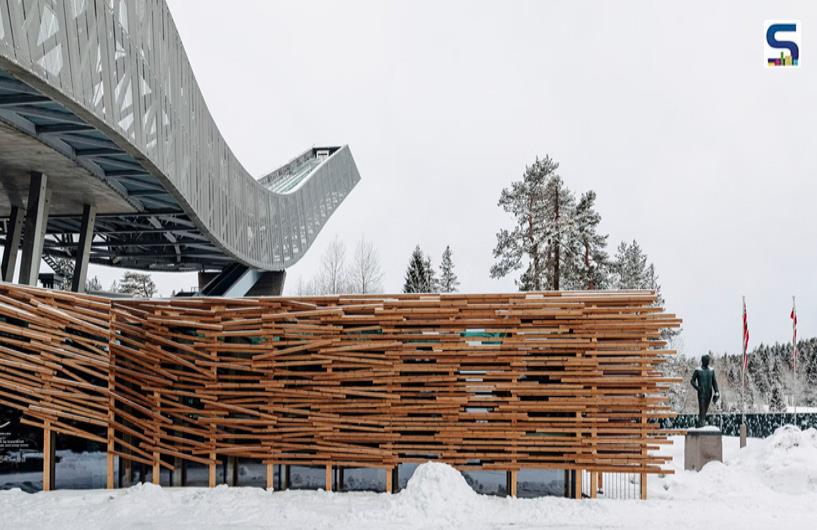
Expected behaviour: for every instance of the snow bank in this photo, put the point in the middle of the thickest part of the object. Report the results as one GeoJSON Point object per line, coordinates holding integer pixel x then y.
{"type": "Point", "coordinates": [435, 487]}
{"type": "Point", "coordinates": [770, 484]}
{"type": "Point", "coordinates": [786, 461]}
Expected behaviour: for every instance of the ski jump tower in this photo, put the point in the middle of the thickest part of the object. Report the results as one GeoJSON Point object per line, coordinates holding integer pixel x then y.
{"type": "Point", "coordinates": [109, 155]}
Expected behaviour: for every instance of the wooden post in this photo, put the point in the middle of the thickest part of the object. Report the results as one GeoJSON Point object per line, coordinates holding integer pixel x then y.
{"type": "Point", "coordinates": [578, 483]}
{"type": "Point", "coordinates": [594, 484]}
{"type": "Point", "coordinates": [270, 477]}
{"type": "Point", "coordinates": [643, 486]}
{"type": "Point", "coordinates": [601, 482]}
{"type": "Point", "coordinates": [512, 482]}
{"type": "Point", "coordinates": [49, 455]}
{"type": "Point", "coordinates": [328, 477]}
{"type": "Point", "coordinates": [157, 458]}
{"type": "Point", "coordinates": [389, 480]}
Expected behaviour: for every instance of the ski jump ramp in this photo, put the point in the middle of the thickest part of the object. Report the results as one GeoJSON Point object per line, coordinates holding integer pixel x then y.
{"type": "Point", "coordinates": [109, 154]}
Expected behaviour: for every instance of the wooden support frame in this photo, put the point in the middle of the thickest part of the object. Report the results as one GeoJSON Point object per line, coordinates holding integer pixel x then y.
{"type": "Point", "coordinates": [344, 381]}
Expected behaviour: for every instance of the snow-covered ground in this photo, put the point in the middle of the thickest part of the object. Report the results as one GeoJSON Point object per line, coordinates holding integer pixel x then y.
{"type": "Point", "coordinates": [770, 484]}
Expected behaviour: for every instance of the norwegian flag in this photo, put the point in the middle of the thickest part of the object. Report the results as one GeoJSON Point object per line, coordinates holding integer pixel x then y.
{"type": "Point", "coordinates": [745, 337]}
{"type": "Point", "coordinates": [794, 333]}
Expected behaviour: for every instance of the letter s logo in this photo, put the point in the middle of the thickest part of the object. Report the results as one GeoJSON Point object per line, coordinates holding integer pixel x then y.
{"type": "Point", "coordinates": [771, 39]}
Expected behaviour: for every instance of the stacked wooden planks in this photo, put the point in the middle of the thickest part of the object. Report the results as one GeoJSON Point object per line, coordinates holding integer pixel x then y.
{"type": "Point", "coordinates": [562, 380]}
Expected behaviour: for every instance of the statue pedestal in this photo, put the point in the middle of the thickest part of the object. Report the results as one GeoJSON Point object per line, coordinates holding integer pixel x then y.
{"type": "Point", "coordinates": [702, 446]}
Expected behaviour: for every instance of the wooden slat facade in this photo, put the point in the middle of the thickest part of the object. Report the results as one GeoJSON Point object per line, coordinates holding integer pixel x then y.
{"type": "Point", "coordinates": [561, 380]}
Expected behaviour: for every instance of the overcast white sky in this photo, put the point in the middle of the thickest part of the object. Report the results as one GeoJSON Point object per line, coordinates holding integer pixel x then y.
{"type": "Point", "coordinates": [694, 147]}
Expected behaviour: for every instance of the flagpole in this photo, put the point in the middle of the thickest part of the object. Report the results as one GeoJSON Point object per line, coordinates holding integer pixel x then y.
{"type": "Point", "coordinates": [743, 362]}
{"type": "Point", "coordinates": [794, 352]}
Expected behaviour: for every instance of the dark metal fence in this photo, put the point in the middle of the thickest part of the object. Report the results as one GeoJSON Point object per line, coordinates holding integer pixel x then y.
{"type": "Point", "coordinates": [758, 425]}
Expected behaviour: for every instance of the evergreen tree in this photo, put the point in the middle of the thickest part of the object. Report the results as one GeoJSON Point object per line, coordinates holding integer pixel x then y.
{"type": "Point", "coordinates": [93, 285]}
{"type": "Point", "coordinates": [544, 234]}
{"type": "Point", "coordinates": [593, 262]}
{"type": "Point", "coordinates": [419, 276]}
{"type": "Point", "coordinates": [431, 277]}
{"type": "Point", "coordinates": [448, 278]}
{"type": "Point", "coordinates": [776, 401]}
{"type": "Point", "coordinates": [137, 284]}
{"type": "Point", "coordinates": [630, 270]}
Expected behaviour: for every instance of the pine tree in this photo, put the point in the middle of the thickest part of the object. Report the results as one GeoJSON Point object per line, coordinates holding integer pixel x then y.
{"type": "Point", "coordinates": [137, 284]}
{"type": "Point", "coordinates": [431, 277]}
{"type": "Point", "coordinates": [93, 285]}
{"type": "Point", "coordinates": [630, 270]}
{"type": "Point", "coordinates": [448, 278]}
{"type": "Point", "coordinates": [419, 276]}
{"type": "Point", "coordinates": [560, 233]}
{"type": "Point", "coordinates": [544, 233]}
{"type": "Point", "coordinates": [593, 262]}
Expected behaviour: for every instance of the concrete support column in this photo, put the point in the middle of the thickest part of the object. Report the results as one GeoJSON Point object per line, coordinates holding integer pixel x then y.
{"type": "Point", "coordinates": [231, 471]}
{"type": "Point", "coordinates": [86, 236]}
{"type": "Point", "coordinates": [36, 221]}
{"type": "Point", "coordinates": [13, 235]}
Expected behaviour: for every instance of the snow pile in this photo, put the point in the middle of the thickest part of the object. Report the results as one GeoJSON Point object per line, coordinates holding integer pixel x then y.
{"type": "Point", "coordinates": [435, 486]}
{"type": "Point", "coordinates": [786, 461]}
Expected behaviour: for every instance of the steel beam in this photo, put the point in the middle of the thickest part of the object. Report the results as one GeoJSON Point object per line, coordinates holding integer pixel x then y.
{"type": "Point", "coordinates": [36, 221]}
{"type": "Point", "coordinates": [86, 237]}
{"type": "Point", "coordinates": [13, 236]}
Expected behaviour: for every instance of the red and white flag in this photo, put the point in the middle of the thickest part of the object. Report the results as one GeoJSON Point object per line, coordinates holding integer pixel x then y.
{"type": "Point", "coordinates": [745, 337]}
{"type": "Point", "coordinates": [794, 333]}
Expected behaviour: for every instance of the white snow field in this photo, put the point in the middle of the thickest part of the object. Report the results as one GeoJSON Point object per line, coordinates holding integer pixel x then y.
{"type": "Point", "coordinates": [772, 484]}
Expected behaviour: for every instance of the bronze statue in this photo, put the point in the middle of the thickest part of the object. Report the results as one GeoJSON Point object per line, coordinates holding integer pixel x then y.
{"type": "Point", "coordinates": [704, 382]}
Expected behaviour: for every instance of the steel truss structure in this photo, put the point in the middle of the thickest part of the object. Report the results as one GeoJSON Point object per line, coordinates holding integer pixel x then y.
{"type": "Point", "coordinates": [99, 96]}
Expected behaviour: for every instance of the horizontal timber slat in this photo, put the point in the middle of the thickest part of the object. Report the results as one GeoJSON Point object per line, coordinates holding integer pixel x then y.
{"type": "Point", "coordinates": [563, 380]}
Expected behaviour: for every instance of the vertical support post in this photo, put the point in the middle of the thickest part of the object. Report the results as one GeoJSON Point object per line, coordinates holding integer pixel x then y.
{"type": "Point", "coordinates": [568, 488]}
{"type": "Point", "coordinates": [111, 434]}
{"type": "Point", "coordinates": [13, 235]}
{"type": "Point", "coordinates": [177, 478]}
{"type": "Point", "coordinates": [128, 473]}
{"type": "Point", "coordinates": [36, 221]}
{"type": "Point", "coordinates": [328, 477]}
{"type": "Point", "coordinates": [578, 484]}
{"type": "Point", "coordinates": [511, 482]}
{"type": "Point", "coordinates": [643, 486]}
{"type": "Point", "coordinates": [601, 482]}
{"type": "Point", "coordinates": [156, 472]}
{"type": "Point", "coordinates": [594, 484]}
{"type": "Point", "coordinates": [86, 236]}
{"type": "Point", "coordinates": [211, 475]}
{"type": "Point", "coordinates": [270, 476]}
{"type": "Point", "coordinates": [389, 480]}
{"type": "Point", "coordinates": [49, 457]}
{"type": "Point", "coordinates": [232, 471]}
{"type": "Point", "coordinates": [743, 435]}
